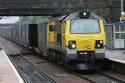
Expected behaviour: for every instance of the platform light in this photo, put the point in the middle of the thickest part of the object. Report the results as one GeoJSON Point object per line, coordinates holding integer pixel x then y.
{"type": "Point", "coordinates": [122, 9]}
{"type": "Point", "coordinates": [123, 13]}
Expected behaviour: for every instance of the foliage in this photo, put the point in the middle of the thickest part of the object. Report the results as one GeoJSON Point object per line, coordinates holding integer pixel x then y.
{"type": "Point", "coordinates": [109, 2]}
{"type": "Point", "coordinates": [78, 6]}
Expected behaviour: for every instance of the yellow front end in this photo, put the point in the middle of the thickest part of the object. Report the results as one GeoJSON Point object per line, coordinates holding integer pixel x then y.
{"type": "Point", "coordinates": [86, 44]}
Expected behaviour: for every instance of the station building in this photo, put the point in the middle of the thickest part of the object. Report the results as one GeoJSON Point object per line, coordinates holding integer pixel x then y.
{"type": "Point", "coordinates": [115, 33]}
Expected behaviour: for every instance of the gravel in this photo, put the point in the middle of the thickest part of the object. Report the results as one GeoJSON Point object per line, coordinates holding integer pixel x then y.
{"type": "Point", "coordinates": [51, 69]}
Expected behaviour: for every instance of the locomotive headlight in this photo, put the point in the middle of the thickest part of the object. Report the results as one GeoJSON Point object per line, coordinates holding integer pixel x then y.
{"type": "Point", "coordinates": [101, 41]}
{"type": "Point", "coordinates": [99, 44]}
{"type": "Point", "coordinates": [84, 14]}
{"type": "Point", "coordinates": [72, 44]}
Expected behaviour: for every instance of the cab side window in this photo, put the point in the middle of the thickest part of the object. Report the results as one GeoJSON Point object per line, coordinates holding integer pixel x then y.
{"type": "Point", "coordinates": [58, 33]}
{"type": "Point", "coordinates": [51, 28]}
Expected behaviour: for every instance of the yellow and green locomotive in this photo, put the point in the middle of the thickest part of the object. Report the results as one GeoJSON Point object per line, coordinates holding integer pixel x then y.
{"type": "Point", "coordinates": [77, 39]}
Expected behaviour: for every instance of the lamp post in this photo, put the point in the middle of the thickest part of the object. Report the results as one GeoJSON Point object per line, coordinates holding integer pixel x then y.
{"type": "Point", "coordinates": [122, 9]}
{"type": "Point", "coordinates": [122, 18]}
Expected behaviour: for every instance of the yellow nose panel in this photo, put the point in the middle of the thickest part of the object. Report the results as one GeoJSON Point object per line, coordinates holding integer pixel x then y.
{"type": "Point", "coordinates": [85, 45]}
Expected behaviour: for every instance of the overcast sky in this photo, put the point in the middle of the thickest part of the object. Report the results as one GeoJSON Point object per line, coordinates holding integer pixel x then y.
{"type": "Point", "coordinates": [9, 19]}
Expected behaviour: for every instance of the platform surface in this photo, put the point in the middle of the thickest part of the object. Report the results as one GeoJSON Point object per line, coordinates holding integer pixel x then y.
{"type": "Point", "coordinates": [116, 55]}
{"type": "Point", "coordinates": [8, 73]}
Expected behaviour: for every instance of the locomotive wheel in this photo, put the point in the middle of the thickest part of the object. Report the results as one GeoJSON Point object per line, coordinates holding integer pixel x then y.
{"type": "Point", "coordinates": [59, 58]}
{"type": "Point", "coordinates": [53, 56]}
{"type": "Point", "coordinates": [56, 57]}
{"type": "Point", "coordinates": [49, 55]}
{"type": "Point", "coordinates": [63, 58]}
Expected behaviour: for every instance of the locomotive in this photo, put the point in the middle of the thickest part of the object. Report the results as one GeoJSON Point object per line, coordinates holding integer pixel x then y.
{"type": "Point", "coordinates": [77, 40]}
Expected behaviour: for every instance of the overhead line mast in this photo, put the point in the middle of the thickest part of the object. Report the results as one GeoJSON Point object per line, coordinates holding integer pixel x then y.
{"type": "Point", "coordinates": [122, 11]}
{"type": "Point", "coordinates": [122, 18]}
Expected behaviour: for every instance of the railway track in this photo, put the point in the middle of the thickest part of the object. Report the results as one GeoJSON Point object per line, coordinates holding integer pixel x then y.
{"type": "Point", "coordinates": [96, 77]}
{"type": "Point", "coordinates": [30, 76]}
{"type": "Point", "coordinates": [29, 72]}
{"type": "Point", "coordinates": [99, 77]}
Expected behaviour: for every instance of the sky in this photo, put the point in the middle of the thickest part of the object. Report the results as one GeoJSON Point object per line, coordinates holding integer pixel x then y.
{"type": "Point", "coordinates": [9, 19]}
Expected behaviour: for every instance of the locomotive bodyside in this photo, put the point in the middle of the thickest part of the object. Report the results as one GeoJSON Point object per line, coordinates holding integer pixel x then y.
{"type": "Point", "coordinates": [77, 39]}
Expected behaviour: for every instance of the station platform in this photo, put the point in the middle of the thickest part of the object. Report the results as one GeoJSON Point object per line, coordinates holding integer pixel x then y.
{"type": "Point", "coordinates": [8, 73]}
{"type": "Point", "coordinates": [115, 55]}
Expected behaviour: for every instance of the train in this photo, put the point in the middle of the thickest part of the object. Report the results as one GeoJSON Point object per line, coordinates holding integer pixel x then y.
{"type": "Point", "coordinates": [76, 40]}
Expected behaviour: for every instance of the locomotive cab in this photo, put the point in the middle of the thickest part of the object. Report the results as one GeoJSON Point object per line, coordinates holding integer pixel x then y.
{"type": "Point", "coordinates": [85, 39]}
{"type": "Point", "coordinates": [78, 37]}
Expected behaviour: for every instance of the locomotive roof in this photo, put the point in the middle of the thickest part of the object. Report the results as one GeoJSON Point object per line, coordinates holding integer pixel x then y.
{"type": "Point", "coordinates": [76, 15]}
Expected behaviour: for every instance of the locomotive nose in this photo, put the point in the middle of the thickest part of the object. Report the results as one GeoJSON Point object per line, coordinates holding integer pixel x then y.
{"type": "Point", "coordinates": [85, 45]}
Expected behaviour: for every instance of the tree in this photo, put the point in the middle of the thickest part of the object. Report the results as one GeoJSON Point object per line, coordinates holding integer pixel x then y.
{"type": "Point", "coordinates": [108, 2]}
{"type": "Point", "coordinates": [77, 5]}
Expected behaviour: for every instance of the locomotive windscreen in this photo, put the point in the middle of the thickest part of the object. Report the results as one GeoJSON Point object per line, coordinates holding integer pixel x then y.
{"type": "Point", "coordinates": [85, 26]}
